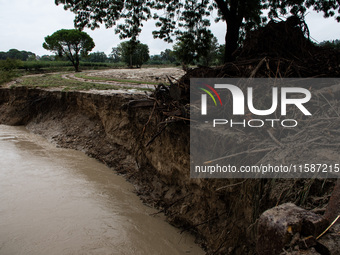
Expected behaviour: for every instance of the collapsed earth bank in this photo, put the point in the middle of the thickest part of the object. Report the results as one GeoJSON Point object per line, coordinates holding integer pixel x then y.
{"type": "Point", "coordinates": [123, 132]}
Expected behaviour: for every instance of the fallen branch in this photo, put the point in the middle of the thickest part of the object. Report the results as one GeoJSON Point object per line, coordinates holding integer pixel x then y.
{"type": "Point", "coordinates": [141, 103]}
{"type": "Point", "coordinates": [153, 109]}
{"type": "Point", "coordinates": [330, 104]}
{"type": "Point", "coordinates": [231, 185]}
{"type": "Point", "coordinates": [202, 223]}
{"type": "Point", "coordinates": [240, 153]}
{"type": "Point", "coordinates": [274, 139]}
{"type": "Point", "coordinates": [328, 144]}
{"type": "Point", "coordinates": [155, 136]}
{"type": "Point", "coordinates": [181, 118]}
{"type": "Point", "coordinates": [253, 73]}
{"type": "Point", "coordinates": [334, 221]}
{"type": "Point", "coordinates": [310, 141]}
{"type": "Point", "coordinates": [172, 204]}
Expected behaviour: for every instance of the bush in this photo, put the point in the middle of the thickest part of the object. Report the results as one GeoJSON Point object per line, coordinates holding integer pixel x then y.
{"type": "Point", "coordinates": [41, 65]}
{"type": "Point", "coordinates": [7, 69]}
{"type": "Point", "coordinates": [53, 66]}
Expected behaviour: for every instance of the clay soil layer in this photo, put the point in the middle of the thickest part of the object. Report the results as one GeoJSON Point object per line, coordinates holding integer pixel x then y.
{"type": "Point", "coordinates": [112, 128]}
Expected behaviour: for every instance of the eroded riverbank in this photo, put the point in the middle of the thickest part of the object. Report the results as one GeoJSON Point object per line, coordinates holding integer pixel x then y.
{"type": "Point", "coordinates": [116, 130]}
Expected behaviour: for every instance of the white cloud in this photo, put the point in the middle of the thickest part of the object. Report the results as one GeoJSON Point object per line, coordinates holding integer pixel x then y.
{"type": "Point", "coordinates": [28, 22]}
{"type": "Point", "coordinates": [321, 28]}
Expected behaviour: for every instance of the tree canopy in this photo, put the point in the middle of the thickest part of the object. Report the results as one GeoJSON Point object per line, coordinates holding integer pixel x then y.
{"type": "Point", "coordinates": [190, 51]}
{"type": "Point", "coordinates": [335, 44]}
{"type": "Point", "coordinates": [114, 56]}
{"type": "Point", "coordinates": [177, 17]}
{"type": "Point", "coordinates": [133, 53]}
{"type": "Point", "coordinates": [168, 56]}
{"type": "Point", "coordinates": [17, 54]}
{"type": "Point", "coordinates": [70, 43]}
{"type": "Point", "coordinates": [97, 57]}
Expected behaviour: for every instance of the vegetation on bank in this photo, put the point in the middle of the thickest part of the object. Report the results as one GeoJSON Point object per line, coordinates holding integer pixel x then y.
{"type": "Point", "coordinates": [57, 81]}
{"type": "Point", "coordinates": [8, 69]}
{"type": "Point", "coordinates": [50, 75]}
{"type": "Point", "coordinates": [12, 68]}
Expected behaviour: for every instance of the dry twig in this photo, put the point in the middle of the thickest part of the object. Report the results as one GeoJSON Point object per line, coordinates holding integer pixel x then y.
{"type": "Point", "coordinates": [240, 153]}
{"type": "Point", "coordinates": [334, 221]}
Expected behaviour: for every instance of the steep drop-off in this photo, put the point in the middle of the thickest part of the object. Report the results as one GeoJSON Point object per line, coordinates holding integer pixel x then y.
{"type": "Point", "coordinates": [110, 128]}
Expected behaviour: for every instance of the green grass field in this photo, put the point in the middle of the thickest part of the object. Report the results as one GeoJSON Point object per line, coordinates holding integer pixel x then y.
{"type": "Point", "coordinates": [56, 81]}
{"type": "Point", "coordinates": [47, 74]}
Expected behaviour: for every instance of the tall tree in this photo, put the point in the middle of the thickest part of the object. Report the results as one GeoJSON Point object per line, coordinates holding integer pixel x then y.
{"type": "Point", "coordinates": [237, 14]}
{"type": "Point", "coordinates": [71, 43]}
{"type": "Point", "coordinates": [134, 53]}
{"type": "Point", "coordinates": [211, 55]}
{"type": "Point", "coordinates": [97, 57]}
{"type": "Point", "coordinates": [183, 50]}
{"type": "Point", "coordinates": [114, 56]}
{"type": "Point", "coordinates": [190, 51]}
{"type": "Point", "coordinates": [168, 56]}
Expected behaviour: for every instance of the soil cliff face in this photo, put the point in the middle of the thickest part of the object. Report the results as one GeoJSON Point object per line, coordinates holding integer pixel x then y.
{"type": "Point", "coordinates": [110, 128]}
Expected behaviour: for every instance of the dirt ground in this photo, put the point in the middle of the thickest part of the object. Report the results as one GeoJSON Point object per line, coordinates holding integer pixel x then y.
{"type": "Point", "coordinates": [141, 74]}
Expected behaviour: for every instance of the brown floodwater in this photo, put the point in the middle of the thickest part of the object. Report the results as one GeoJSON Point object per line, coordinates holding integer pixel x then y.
{"type": "Point", "coordinates": [59, 201]}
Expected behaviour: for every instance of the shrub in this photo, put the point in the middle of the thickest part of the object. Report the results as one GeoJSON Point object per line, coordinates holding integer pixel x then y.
{"type": "Point", "coordinates": [7, 69]}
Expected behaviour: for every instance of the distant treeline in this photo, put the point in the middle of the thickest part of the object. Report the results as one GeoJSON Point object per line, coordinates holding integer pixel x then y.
{"type": "Point", "coordinates": [166, 57]}
{"type": "Point", "coordinates": [116, 58]}
{"type": "Point", "coordinates": [17, 54]}
{"type": "Point", "coordinates": [11, 68]}
{"type": "Point", "coordinates": [335, 44]}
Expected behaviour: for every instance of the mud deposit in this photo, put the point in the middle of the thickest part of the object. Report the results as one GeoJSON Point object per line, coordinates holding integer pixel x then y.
{"type": "Point", "coordinates": [221, 213]}
{"type": "Point", "coordinates": [141, 74]}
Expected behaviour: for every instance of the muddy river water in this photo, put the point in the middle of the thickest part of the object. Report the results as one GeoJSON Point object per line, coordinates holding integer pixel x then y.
{"type": "Point", "coordinates": [58, 201]}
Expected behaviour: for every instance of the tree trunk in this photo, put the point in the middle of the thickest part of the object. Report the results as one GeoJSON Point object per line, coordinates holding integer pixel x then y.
{"type": "Point", "coordinates": [231, 38]}
{"type": "Point", "coordinates": [76, 66]}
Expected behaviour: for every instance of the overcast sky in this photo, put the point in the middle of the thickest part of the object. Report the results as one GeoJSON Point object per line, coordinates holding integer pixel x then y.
{"type": "Point", "coordinates": [24, 24]}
